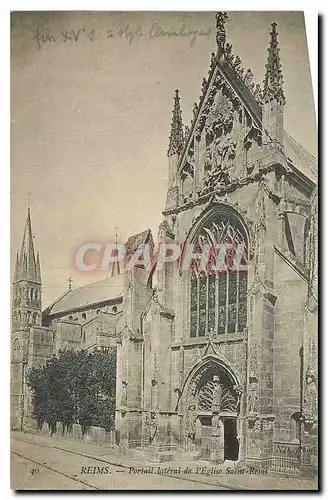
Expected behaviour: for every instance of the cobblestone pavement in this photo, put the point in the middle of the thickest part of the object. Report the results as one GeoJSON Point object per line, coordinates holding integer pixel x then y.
{"type": "Point", "coordinates": [40, 462]}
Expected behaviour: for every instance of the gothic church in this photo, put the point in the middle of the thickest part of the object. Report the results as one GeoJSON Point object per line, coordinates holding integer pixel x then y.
{"type": "Point", "coordinates": [214, 366]}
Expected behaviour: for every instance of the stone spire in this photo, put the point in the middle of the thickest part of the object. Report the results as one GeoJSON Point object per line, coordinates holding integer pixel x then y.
{"type": "Point", "coordinates": [176, 137]}
{"type": "Point", "coordinates": [16, 275]}
{"type": "Point", "coordinates": [221, 18]}
{"type": "Point", "coordinates": [115, 265]}
{"type": "Point", "coordinates": [27, 267]}
{"type": "Point", "coordinates": [273, 77]}
{"type": "Point", "coordinates": [38, 267]}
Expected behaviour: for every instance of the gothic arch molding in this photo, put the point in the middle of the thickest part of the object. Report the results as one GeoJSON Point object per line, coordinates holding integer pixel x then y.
{"type": "Point", "coordinates": [211, 390]}
{"type": "Point", "coordinates": [215, 209]}
{"type": "Point", "coordinates": [223, 364]}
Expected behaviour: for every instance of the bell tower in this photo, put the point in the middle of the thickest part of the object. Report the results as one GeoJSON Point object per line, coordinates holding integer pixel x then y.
{"type": "Point", "coordinates": [26, 310]}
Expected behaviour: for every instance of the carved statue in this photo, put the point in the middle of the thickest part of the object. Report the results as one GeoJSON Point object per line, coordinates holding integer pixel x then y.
{"type": "Point", "coordinates": [186, 132]}
{"type": "Point", "coordinates": [217, 393]}
{"type": "Point", "coordinates": [216, 428]}
{"type": "Point", "coordinates": [221, 18]}
{"type": "Point", "coordinates": [204, 84]}
{"type": "Point", "coordinates": [310, 397]}
{"type": "Point", "coordinates": [228, 52]}
{"type": "Point", "coordinates": [212, 60]}
{"type": "Point", "coordinates": [253, 399]}
{"type": "Point", "coordinates": [124, 393]}
{"type": "Point", "coordinates": [195, 110]}
{"type": "Point", "coordinates": [248, 77]}
{"type": "Point", "coordinates": [237, 63]}
{"type": "Point", "coordinates": [240, 72]}
{"type": "Point", "coordinates": [191, 421]}
{"type": "Point", "coordinates": [258, 92]}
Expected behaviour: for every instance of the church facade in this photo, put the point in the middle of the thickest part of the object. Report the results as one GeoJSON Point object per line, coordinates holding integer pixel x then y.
{"type": "Point", "coordinates": [222, 366]}
{"type": "Point", "coordinates": [212, 365]}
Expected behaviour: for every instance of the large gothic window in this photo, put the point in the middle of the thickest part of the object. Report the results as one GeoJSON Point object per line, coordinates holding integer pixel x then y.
{"type": "Point", "coordinates": [218, 293]}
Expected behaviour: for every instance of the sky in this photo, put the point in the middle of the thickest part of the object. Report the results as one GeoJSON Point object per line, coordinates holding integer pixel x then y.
{"type": "Point", "coordinates": [91, 107]}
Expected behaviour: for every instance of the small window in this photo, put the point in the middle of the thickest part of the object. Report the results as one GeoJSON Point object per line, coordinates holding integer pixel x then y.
{"type": "Point", "coordinates": [114, 309]}
{"type": "Point", "coordinates": [98, 311]}
{"type": "Point", "coordinates": [16, 350]}
{"type": "Point", "coordinates": [84, 316]}
{"type": "Point", "coordinates": [295, 426]}
{"type": "Point", "coordinates": [70, 317]}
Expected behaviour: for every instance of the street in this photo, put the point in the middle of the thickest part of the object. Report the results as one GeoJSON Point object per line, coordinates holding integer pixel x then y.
{"type": "Point", "coordinates": [42, 463]}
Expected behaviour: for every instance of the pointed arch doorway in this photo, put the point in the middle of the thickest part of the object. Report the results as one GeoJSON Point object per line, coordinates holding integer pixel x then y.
{"type": "Point", "coordinates": [211, 413]}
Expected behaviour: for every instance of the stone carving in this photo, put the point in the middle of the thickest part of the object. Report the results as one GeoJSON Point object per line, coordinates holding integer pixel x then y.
{"type": "Point", "coordinates": [181, 365]}
{"type": "Point", "coordinates": [216, 428]}
{"type": "Point", "coordinates": [212, 397]}
{"type": "Point", "coordinates": [205, 396]}
{"type": "Point", "coordinates": [212, 62]}
{"type": "Point", "coordinates": [239, 392]}
{"type": "Point", "coordinates": [219, 119]}
{"type": "Point", "coordinates": [249, 78]}
{"type": "Point", "coordinates": [310, 407]}
{"type": "Point", "coordinates": [218, 160]}
{"type": "Point", "coordinates": [151, 421]}
{"type": "Point", "coordinates": [240, 72]}
{"type": "Point", "coordinates": [191, 420]}
{"type": "Point", "coordinates": [124, 399]}
{"type": "Point", "coordinates": [188, 166]}
{"type": "Point", "coordinates": [217, 395]}
{"type": "Point", "coordinates": [228, 52]}
{"type": "Point", "coordinates": [310, 398]}
{"type": "Point", "coordinates": [253, 364]}
{"type": "Point", "coordinates": [237, 63]}
{"type": "Point", "coordinates": [209, 110]}
{"type": "Point", "coordinates": [204, 85]}
{"type": "Point", "coordinates": [313, 254]}
{"type": "Point", "coordinates": [260, 224]}
{"type": "Point", "coordinates": [186, 133]}
{"type": "Point", "coordinates": [207, 393]}
{"type": "Point", "coordinates": [253, 391]}
{"type": "Point", "coordinates": [195, 110]}
{"type": "Point", "coordinates": [221, 18]}
{"type": "Point", "coordinates": [254, 424]}
{"type": "Point", "coordinates": [258, 93]}
{"type": "Point", "coordinates": [154, 379]}
{"type": "Point", "coordinates": [166, 229]}
{"type": "Point", "coordinates": [253, 399]}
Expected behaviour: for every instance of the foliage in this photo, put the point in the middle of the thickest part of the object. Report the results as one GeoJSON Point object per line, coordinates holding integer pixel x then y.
{"type": "Point", "coordinates": [75, 387]}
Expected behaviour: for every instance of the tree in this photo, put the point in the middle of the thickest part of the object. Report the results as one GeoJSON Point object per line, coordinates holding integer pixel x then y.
{"type": "Point", "coordinates": [75, 387]}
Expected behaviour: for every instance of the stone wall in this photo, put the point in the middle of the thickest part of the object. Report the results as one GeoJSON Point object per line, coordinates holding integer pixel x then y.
{"type": "Point", "coordinates": [94, 435]}
{"type": "Point", "coordinates": [289, 326]}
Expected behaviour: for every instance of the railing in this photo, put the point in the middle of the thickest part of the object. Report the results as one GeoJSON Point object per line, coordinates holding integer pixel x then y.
{"type": "Point", "coordinates": [286, 458]}
{"type": "Point", "coordinates": [145, 445]}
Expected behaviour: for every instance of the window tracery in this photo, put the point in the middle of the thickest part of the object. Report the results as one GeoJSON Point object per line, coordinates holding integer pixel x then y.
{"type": "Point", "coordinates": [218, 293]}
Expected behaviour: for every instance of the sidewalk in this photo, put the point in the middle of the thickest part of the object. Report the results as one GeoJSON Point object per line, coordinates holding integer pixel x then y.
{"type": "Point", "coordinates": [200, 471]}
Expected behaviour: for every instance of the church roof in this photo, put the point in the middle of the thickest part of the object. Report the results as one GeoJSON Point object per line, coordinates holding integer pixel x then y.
{"type": "Point", "coordinates": [135, 241]}
{"type": "Point", "coordinates": [99, 291]}
{"type": "Point", "coordinates": [87, 295]}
